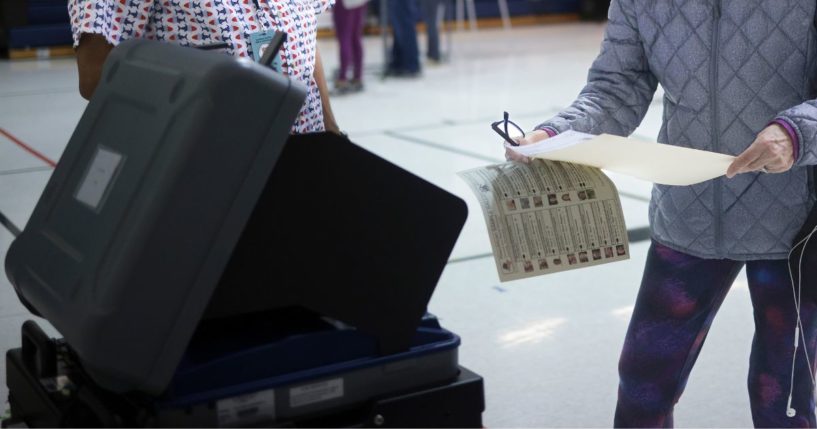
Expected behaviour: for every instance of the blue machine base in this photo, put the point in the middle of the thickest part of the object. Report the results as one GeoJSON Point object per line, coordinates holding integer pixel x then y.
{"type": "Point", "coordinates": [225, 362]}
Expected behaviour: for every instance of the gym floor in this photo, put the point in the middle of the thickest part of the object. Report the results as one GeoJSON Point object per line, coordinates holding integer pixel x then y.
{"type": "Point", "coordinates": [548, 346]}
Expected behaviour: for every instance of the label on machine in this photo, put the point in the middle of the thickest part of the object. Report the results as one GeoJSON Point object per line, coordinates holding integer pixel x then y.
{"type": "Point", "coordinates": [98, 177]}
{"type": "Point", "coordinates": [244, 410]}
{"type": "Point", "coordinates": [315, 392]}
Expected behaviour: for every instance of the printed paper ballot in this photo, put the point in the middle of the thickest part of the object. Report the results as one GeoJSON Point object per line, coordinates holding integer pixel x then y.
{"type": "Point", "coordinates": [659, 163]}
{"type": "Point", "coordinates": [548, 216]}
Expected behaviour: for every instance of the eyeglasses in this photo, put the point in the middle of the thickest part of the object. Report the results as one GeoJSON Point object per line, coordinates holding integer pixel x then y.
{"type": "Point", "coordinates": [501, 128]}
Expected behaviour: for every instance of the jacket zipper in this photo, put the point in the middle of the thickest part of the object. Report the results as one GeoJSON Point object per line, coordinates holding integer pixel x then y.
{"type": "Point", "coordinates": [716, 124]}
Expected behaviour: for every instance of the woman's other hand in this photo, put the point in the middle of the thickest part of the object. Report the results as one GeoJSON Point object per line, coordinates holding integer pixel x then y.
{"type": "Point", "coordinates": [771, 152]}
{"type": "Point", "coordinates": [92, 52]}
{"type": "Point", "coordinates": [530, 138]}
{"type": "Point", "coordinates": [332, 126]}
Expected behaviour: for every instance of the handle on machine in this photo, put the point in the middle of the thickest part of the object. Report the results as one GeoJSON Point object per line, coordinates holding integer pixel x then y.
{"type": "Point", "coordinates": [39, 351]}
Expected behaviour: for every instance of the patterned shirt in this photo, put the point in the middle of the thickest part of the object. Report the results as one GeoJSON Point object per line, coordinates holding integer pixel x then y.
{"type": "Point", "coordinates": [204, 22]}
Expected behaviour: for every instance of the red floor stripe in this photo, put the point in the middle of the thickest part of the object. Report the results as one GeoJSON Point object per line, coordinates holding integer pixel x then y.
{"type": "Point", "coordinates": [28, 148]}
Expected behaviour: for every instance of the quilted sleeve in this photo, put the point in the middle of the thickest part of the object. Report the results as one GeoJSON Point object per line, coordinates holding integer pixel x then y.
{"type": "Point", "coordinates": [117, 20]}
{"type": "Point", "coordinates": [620, 85]}
{"type": "Point", "coordinates": [803, 119]}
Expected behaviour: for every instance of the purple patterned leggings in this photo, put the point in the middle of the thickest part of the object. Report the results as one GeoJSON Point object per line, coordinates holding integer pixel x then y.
{"type": "Point", "coordinates": [349, 32]}
{"type": "Point", "coordinates": [678, 299]}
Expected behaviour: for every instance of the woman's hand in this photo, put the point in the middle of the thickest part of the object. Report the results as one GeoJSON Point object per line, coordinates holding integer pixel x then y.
{"type": "Point", "coordinates": [331, 126]}
{"type": "Point", "coordinates": [530, 138]}
{"type": "Point", "coordinates": [92, 51]}
{"type": "Point", "coordinates": [771, 152]}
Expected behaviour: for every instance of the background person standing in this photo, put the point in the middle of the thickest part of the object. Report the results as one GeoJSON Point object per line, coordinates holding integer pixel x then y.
{"type": "Point", "coordinates": [349, 17]}
{"type": "Point", "coordinates": [99, 25]}
{"type": "Point", "coordinates": [405, 57]}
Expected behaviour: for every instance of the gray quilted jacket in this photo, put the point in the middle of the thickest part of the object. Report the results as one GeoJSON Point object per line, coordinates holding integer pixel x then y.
{"type": "Point", "coordinates": [728, 68]}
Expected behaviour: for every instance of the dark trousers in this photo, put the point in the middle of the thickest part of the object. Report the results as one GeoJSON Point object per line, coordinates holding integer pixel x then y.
{"type": "Point", "coordinates": [405, 53]}
{"type": "Point", "coordinates": [430, 10]}
{"type": "Point", "coordinates": [676, 304]}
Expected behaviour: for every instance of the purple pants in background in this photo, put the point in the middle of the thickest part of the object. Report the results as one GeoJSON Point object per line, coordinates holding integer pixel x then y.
{"type": "Point", "coordinates": [678, 299]}
{"type": "Point", "coordinates": [349, 31]}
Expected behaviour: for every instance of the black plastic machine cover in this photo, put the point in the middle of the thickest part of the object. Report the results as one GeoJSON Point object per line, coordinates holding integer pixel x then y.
{"type": "Point", "coordinates": [168, 207]}
{"type": "Point", "coordinates": [141, 215]}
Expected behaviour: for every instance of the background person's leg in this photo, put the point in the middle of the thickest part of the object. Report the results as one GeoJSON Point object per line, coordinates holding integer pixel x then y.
{"type": "Point", "coordinates": [430, 9]}
{"type": "Point", "coordinates": [678, 299]}
{"type": "Point", "coordinates": [770, 365]}
{"type": "Point", "coordinates": [395, 10]}
{"type": "Point", "coordinates": [341, 17]}
{"type": "Point", "coordinates": [405, 53]}
{"type": "Point", "coordinates": [358, 21]}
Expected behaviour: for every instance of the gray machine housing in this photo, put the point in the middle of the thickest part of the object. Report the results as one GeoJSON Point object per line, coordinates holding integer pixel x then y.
{"type": "Point", "coordinates": [176, 142]}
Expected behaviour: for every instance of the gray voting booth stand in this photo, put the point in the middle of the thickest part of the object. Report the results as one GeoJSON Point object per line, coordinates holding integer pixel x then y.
{"type": "Point", "coordinates": [207, 269]}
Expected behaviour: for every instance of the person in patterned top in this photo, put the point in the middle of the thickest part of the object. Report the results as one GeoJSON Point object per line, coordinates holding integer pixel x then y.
{"type": "Point", "coordinates": [99, 25]}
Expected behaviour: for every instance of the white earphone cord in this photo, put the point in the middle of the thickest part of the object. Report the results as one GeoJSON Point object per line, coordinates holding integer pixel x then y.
{"type": "Point", "coordinates": [798, 295]}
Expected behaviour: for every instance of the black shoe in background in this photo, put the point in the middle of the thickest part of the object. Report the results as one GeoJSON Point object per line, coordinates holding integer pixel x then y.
{"type": "Point", "coordinates": [401, 73]}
